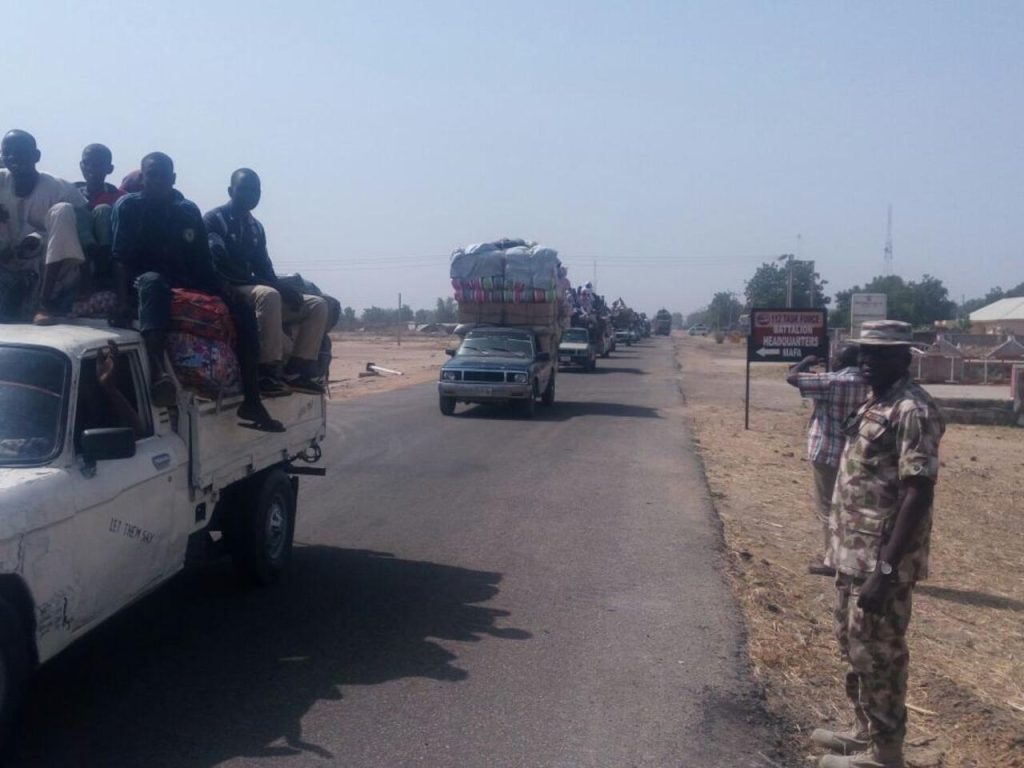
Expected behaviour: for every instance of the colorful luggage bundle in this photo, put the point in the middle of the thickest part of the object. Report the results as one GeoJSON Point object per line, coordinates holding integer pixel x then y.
{"type": "Point", "coordinates": [201, 344]}
{"type": "Point", "coordinates": [509, 282]}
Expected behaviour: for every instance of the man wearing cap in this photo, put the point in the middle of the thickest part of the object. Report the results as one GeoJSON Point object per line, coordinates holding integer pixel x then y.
{"type": "Point", "coordinates": [835, 395]}
{"type": "Point", "coordinates": [881, 524]}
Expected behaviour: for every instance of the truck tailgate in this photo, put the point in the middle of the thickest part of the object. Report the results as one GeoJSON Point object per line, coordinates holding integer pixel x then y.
{"type": "Point", "coordinates": [223, 451]}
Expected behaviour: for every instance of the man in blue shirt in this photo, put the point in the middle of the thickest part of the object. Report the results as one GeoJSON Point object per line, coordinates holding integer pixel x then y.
{"type": "Point", "coordinates": [159, 244]}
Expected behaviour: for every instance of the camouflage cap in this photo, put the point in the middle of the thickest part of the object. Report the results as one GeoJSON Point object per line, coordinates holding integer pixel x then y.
{"type": "Point", "coordinates": [888, 333]}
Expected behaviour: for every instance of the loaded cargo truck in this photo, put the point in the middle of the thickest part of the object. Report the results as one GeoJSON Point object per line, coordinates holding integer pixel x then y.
{"type": "Point", "coordinates": [663, 323]}
{"type": "Point", "coordinates": [104, 496]}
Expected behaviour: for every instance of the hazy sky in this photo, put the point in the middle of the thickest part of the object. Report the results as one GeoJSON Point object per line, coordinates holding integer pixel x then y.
{"type": "Point", "coordinates": [675, 144]}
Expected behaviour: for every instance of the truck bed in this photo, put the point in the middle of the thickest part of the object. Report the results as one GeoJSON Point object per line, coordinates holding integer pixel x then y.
{"type": "Point", "coordinates": [222, 451]}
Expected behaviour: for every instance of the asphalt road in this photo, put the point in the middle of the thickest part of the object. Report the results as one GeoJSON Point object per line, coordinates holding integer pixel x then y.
{"type": "Point", "coordinates": [475, 591]}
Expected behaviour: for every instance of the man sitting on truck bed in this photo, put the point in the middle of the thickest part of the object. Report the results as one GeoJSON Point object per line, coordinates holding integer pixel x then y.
{"type": "Point", "coordinates": [38, 232]}
{"type": "Point", "coordinates": [160, 244]}
{"type": "Point", "coordinates": [239, 247]}
{"type": "Point", "coordinates": [94, 226]}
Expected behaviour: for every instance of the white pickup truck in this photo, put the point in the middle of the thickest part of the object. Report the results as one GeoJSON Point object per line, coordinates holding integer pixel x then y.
{"type": "Point", "coordinates": [95, 513]}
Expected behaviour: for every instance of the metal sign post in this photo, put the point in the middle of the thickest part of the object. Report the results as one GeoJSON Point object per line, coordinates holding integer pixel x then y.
{"type": "Point", "coordinates": [784, 336]}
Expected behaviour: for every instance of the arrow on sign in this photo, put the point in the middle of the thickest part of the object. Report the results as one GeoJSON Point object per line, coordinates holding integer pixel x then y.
{"type": "Point", "coordinates": [768, 352]}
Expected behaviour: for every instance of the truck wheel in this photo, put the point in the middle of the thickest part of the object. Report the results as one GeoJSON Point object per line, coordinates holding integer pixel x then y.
{"type": "Point", "coordinates": [592, 365]}
{"type": "Point", "coordinates": [265, 527]}
{"type": "Point", "coordinates": [548, 397]}
{"type": "Point", "coordinates": [15, 663]}
{"type": "Point", "coordinates": [447, 404]}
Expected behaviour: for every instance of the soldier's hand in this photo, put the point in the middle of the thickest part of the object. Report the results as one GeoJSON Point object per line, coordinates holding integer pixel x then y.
{"type": "Point", "coordinates": [874, 593]}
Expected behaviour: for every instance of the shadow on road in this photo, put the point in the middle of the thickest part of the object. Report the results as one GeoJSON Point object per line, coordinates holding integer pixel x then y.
{"type": "Point", "coordinates": [204, 670]}
{"type": "Point", "coordinates": [561, 410]}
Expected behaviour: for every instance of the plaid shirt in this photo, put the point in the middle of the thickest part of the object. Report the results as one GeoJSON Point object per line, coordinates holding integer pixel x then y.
{"type": "Point", "coordinates": [836, 395]}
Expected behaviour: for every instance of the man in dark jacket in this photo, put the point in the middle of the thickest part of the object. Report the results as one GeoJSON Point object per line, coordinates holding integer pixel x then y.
{"type": "Point", "coordinates": [239, 247]}
{"type": "Point", "coordinates": [159, 244]}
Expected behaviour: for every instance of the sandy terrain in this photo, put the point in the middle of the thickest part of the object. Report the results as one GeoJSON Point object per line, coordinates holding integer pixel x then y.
{"type": "Point", "coordinates": [418, 357]}
{"type": "Point", "coordinates": [967, 636]}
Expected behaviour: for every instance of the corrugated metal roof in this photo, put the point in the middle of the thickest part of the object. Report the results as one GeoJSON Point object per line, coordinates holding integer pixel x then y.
{"type": "Point", "coordinates": [1004, 309]}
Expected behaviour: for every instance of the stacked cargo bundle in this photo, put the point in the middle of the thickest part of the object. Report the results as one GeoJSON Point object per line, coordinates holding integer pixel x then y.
{"type": "Point", "coordinates": [510, 282]}
{"type": "Point", "coordinates": [201, 344]}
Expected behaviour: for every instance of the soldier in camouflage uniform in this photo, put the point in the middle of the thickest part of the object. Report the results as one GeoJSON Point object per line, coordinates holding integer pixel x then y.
{"type": "Point", "coordinates": [880, 526]}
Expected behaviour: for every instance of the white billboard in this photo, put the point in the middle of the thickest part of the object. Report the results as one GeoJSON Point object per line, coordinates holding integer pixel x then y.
{"type": "Point", "coordinates": [865, 307]}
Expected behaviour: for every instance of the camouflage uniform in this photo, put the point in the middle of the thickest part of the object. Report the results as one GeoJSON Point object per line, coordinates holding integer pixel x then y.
{"type": "Point", "coordinates": [889, 440]}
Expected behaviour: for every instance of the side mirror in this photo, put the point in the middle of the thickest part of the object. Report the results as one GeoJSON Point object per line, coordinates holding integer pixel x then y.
{"type": "Point", "coordinates": [108, 443]}
{"type": "Point", "coordinates": [543, 357]}
{"type": "Point", "coordinates": [450, 352]}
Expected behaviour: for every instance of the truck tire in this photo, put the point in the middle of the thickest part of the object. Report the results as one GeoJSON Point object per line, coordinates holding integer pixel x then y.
{"type": "Point", "coordinates": [265, 528]}
{"type": "Point", "coordinates": [447, 404]}
{"type": "Point", "coordinates": [15, 664]}
{"type": "Point", "coordinates": [592, 364]}
{"type": "Point", "coordinates": [548, 396]}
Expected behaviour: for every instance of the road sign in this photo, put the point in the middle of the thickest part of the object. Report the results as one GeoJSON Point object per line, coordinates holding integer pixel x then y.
{"type": "Point", "coordinates": [784, 336]}
{"type": "Point", "coordinates": [867, 306]}
{"type": "Point", "coordinates": [787, 335]}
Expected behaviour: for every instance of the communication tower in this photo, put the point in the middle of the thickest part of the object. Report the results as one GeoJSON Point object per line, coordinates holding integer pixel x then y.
{"type": "Point", "coordinates": [888, 243]}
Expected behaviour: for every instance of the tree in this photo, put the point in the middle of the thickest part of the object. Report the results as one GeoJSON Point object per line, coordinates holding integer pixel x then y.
{"type": "Point", "coordinates": [918, 303]}
{"type": "Point", "coordinates": [768, 286]}
{"type": "Point", "coordinates": [677, 320]}
{"type": "Point", "coordinates": [446, 311]}
{"type": "Point", "coordinates": [723, 311]}
{"type": "Point", "coordinates": [347, 321]}
{"type": "Point", "coordinates": [423, 316]}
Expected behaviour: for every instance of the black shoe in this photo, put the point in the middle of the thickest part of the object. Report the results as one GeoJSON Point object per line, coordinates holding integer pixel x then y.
{"type": "Point", "coordinates": [271, 386]}
{"type": "Point", "coordinates": [306, 385]}
{"type": "Point", "coordinates": [261, 420]}
{"type": "Point", "coordinates": [820, 569]}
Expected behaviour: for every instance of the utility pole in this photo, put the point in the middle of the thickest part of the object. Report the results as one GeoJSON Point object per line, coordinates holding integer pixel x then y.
{"type": "Point", "coordinates": [888, 242]}
{"type": "Point", "coordinates": [399, 318]}
{"type": "Point", "coordinates": [812, 290]}
{"type": "Point", "coordinates": [788, 258]}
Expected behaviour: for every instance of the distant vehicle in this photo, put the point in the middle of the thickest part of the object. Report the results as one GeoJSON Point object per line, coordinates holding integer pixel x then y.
{"type": "Point", "coordinates": [577, 349]}
{"type": "Point", "coordinates": [625, 335]}
{"type": "Point", "coordinates": [663, 323]}
{"type": "Point", "coordinates": [499, 364]}
{"type": "Point", "coordinates": [698, 330]}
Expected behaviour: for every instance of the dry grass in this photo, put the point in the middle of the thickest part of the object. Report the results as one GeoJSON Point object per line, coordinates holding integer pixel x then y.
{"type": "Point", "coordinates": [967, 636]}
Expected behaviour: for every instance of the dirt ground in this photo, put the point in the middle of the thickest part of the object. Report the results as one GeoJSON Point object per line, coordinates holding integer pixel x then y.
{"type": "Point", "coordinates": [418, 357]}
{"type": "Point", "coordinates": [967, 635]}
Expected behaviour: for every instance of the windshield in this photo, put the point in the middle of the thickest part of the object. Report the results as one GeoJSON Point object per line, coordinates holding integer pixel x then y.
{"type": "Point", "coordinates": [496, 345]}
{"type": "Point", "coordinates": [576, 334]}
{"type": "Point", "coordinates": [33, 390]}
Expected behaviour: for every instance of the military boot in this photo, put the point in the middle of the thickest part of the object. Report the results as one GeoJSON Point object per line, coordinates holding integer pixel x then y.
{"type": "Point", "coordinates": [875, 757]}
{"type": "Point", "coordinates": [844, 742]}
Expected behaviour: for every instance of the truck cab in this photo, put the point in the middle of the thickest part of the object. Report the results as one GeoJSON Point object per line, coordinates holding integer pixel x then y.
{"type": "Point", "coordinates": [499, 364]}
{"type": "Point", "coordinates": [576, 348]}
{"type": "Point", "coordinates": [104, 496]}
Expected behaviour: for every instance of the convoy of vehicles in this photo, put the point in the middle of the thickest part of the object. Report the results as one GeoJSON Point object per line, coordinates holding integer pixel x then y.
{"type": "Point", "coordinates": [495, 364]}
{"type": "Point", "coordinates": [104, 497]}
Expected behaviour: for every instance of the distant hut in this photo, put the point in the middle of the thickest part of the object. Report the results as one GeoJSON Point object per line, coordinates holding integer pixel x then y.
{"type": "Point", "coordinates": [941, 362]}
{"type": "Point", "coordinates": [1011, 349]}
